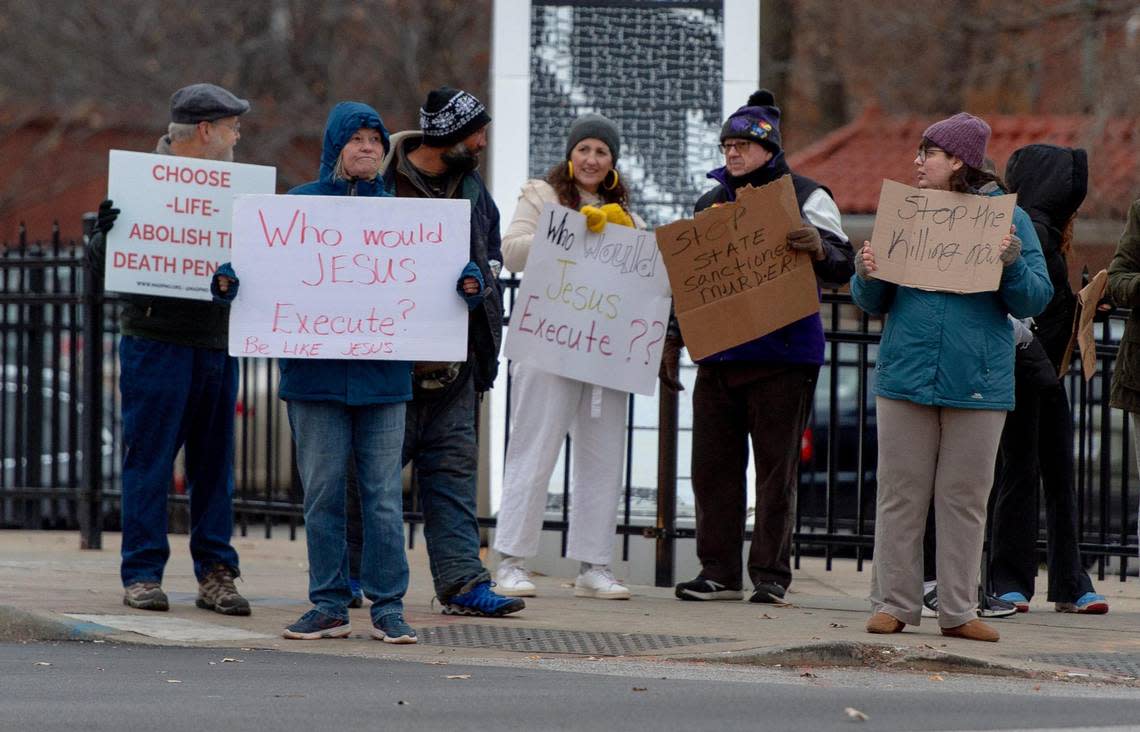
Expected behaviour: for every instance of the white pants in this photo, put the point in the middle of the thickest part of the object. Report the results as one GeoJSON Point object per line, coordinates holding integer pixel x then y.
{"type": "Point", "coordinates": [545, 407]}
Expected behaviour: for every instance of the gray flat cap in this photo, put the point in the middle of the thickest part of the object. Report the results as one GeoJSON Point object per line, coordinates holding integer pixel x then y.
{"type": "Point", "coordinates": [204, 103]}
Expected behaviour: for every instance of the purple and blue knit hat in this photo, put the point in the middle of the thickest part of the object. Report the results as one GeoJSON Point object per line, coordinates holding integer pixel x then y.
{"type": "Point", "coordinates": [758, 121]}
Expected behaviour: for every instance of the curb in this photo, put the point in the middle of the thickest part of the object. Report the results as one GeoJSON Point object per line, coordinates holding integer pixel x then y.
{"type": "Point", "coordinates": [17, 625]}
{"type": "Point", "coordinates": [867, 655]}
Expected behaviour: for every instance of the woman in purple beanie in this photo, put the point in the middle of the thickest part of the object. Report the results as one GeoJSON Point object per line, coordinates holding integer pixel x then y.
{"type": "Point", "coordinates": [944, 384]}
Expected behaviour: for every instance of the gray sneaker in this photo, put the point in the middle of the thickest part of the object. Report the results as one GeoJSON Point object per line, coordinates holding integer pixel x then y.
{"type": "Point", "coordinates": [145, 596]}
{"type": "Point", "coordinates": [217, 592]}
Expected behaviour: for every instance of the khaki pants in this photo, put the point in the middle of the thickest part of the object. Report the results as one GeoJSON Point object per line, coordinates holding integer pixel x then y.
{"type": "Point", "coordinates": [948, 454]}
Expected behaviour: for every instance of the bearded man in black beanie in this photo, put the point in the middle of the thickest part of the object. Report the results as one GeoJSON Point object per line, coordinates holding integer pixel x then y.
{"type": "Point", "coordinates": [440, 161]}
{"type": "Point", "coordinates": [761, 389]}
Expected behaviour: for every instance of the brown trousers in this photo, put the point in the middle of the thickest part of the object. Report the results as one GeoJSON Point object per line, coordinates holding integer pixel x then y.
{"type": "Point", "coordinates": [949, 454]}
{"type": "Point", "coordinates": [733, 402]}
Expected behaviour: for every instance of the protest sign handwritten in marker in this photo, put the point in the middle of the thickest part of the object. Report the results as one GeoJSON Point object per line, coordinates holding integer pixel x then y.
{"type": "Point", "coordinates": [174, 229]}
{"type": "Point", "coordinates": [591, 307]}
{"type": "Point", "coordinates": [734, 278]}
{"type": "Point", "coordinates": [940, 240]}
{"type": "Point", "coordinates": [349, 277]}
{"type": "Point", "coordinates": [1082, 335]}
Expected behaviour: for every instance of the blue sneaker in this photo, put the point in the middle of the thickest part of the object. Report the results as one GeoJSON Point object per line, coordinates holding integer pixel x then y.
{"type": "Point", "coordinates": [1018, 600]}
{"type": "Point", "coordinates": [315, 625]}
{"type": "Point", "coordinates": [1089, 603]}
{"type": "Point", "coordinates": [482, 601]}
{"type": "Point", "coordinates": [393, 629]}
{"type": "Point", "coordinates": [357, 593]}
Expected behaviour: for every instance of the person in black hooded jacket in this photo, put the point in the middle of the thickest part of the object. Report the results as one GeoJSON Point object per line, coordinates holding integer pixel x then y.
{"type": "Point", "coordinates": [1037, 442]}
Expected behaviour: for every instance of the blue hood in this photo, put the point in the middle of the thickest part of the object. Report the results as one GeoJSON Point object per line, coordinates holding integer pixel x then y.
{"type": "Point", "coordinates": [344, 120]}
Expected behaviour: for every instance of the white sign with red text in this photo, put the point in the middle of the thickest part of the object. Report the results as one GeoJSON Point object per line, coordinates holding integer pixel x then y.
{"type": "Point", "coordinates": [591, 307]}
{"type": "Point", "coordinates": [174, 229]}
{"type": "Point", "coordinates": [349, 277]}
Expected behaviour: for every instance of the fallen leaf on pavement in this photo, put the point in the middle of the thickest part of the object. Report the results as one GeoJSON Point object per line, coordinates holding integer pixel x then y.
{"type": "Point", "coordinates": [766, 616]}
{"type": "Point", "coordinates": [935, 677]}
{"type": "Point", "coordinates": [808, 675]}
{"type": "Point", "coordinates": [837, 625]}
{"type": "Point", "coordinates": [458, 676]}
{"type": "Point", "coordinates": [232, 660]}
{"type": "Point", "coordinates": [42, 663]}
{"type": "Point", "coordinates": [640, 688]}
{"type": "Point", "coordinates": [854, 713]}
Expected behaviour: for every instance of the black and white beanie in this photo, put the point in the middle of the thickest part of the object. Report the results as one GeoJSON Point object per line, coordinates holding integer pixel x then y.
{"type": "Point", "coordinates": [450, 115]}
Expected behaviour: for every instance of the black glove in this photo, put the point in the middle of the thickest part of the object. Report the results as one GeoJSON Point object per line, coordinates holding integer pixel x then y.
{"type": "Point", "coordinates": [105, 219]}
{"type": "Point", "coordinates": [670, 370]}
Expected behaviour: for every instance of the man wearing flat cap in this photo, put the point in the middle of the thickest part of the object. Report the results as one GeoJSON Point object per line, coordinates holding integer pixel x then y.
{"type": "Point", "coordinates": [178, 388]}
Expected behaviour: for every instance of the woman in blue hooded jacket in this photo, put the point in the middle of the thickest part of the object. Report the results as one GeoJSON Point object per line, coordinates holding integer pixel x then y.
{"type": "Point", "coordinates": [944, 385]}
{"type": "Point", "coordinates": [342, 410]}
{"type": "Point", "coordinates": [350, 409]}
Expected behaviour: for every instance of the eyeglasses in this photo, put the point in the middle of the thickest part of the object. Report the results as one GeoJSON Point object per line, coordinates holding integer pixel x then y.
{"type": "Point", "coordinates": [740, 146]}
{"type": "Point", "coordinates": [234, 128]}
{"type": "Point", "coordinates": [923, 152]}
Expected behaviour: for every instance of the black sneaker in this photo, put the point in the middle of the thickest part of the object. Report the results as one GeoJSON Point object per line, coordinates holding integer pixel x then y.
{"type": "Point", "coordinates": [702, 588]}
{"type": "Point", "coordinates": [930, 604]}
{"type": "Point", "coordinates": [767, 592]}
{"type": "Point", "coordinates": [992, 606]}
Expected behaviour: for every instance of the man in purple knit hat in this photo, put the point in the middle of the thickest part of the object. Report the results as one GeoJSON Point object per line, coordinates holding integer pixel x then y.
{"type": "Point", "coordinates": [761, 389]}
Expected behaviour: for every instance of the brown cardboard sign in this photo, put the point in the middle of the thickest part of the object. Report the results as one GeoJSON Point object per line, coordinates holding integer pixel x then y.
{"type": "Point", "coordinates": [940, 240]}
{"type": "Point", "coordinates": [733, 276]}
{"type": "Point", "coordinates": [1087, 300]}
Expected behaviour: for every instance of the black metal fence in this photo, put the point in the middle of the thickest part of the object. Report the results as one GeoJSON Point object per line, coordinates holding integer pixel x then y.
{"type": "Point", "coordinates": [60, 433]}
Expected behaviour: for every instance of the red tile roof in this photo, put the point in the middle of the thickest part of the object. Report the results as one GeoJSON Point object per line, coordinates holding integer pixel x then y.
{"type": "Point", "coordinates": [853, 160]}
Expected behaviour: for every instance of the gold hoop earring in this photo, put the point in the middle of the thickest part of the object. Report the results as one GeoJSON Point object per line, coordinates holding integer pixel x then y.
{"type": "Point", "coordinates": [570, 169]}
{"type": "Point", "coordinates": [610, 186]}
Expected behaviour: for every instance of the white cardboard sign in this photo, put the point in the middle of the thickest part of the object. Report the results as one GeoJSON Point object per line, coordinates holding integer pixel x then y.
{"type": "Point", "coordinates": [174, 229]}
{"type": "Point", "coordinates": [591, 307]}
{"type": "Point", "coordinates": [348, 277]}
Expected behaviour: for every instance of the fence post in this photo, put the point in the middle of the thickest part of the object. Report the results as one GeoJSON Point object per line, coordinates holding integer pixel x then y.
{"type": "Point", "coordinates": [34, 426]}
{"type": "Point", "coordinates": [91, 491]}
{"type": "Point", "coordinates": [666, 535]}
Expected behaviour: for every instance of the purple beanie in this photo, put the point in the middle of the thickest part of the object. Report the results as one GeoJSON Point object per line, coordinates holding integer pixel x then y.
{"type": "Point", "coordinates": [759, 121]}
{"type": "Point", "coordinates": [963, 135]}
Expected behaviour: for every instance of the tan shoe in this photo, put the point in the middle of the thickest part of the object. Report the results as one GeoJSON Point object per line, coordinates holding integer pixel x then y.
{"type": "Point", "coordinates": [884, 624]}
{"type": "Point", "coordinates": [973, 630]}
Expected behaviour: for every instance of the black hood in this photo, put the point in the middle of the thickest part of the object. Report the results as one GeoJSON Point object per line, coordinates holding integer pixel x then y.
{"type": "Point", "coordinates": [1050, 181]}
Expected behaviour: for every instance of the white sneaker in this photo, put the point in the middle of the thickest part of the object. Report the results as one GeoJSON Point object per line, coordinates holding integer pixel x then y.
{"type": "Point", "coordinates": [599, 582]}
{"type": "Point", "coordinates": [512, 579]}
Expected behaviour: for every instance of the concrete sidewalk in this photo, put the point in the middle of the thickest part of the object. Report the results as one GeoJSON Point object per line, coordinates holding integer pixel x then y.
{"type": "Point", "coordinates": [50, 589]}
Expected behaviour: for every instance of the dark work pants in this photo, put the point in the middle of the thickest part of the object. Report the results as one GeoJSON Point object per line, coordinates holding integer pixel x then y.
{"type": "Point", "coordinates": [732, 403]}
{"type": "Point", "coordinates": [1037, 449]}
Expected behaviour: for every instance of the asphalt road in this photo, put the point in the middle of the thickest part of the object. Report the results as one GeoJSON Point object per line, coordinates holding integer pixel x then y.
{"type": "Point", "coordinates": [103, 686]}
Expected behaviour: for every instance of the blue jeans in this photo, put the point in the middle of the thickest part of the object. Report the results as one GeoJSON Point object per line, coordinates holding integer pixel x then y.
{"type": "Point", "coordinates": [326, 434]}
{"type": "Point", "coordinates": [439, 439]}
{"type": "Point", "coordinates": [173, 396]}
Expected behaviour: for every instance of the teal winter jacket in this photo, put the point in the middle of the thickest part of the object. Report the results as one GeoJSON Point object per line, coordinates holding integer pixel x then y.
{"type": "Point", "coordinates": [949, 350]}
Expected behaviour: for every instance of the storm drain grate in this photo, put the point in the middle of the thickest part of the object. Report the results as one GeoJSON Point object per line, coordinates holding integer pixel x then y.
{"type": "Point", "coordinates": [1121, 664]}
{"type": "Point", "coordinates": [540, 640]}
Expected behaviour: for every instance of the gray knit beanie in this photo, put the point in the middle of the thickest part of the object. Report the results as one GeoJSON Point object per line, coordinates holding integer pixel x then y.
{"type": "Point", "coordinates": [963, 135]}
{"type": "Point", "coordinates": [595, 126]}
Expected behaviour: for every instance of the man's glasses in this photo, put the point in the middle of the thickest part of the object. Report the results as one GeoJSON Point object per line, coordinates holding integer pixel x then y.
{"type": "Point", "coordinates": [740, 146]}
{"type": "Point", "coordinates": [235, 127]}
